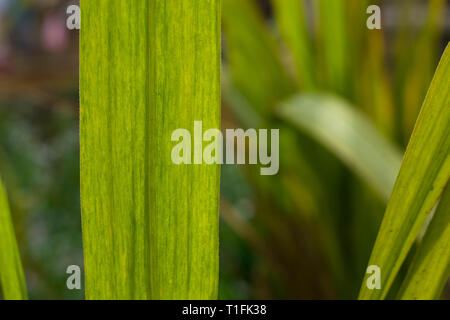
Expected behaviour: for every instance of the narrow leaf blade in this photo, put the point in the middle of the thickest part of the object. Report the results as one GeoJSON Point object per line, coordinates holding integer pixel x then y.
{"type": "Point", "coordinates": [252, 54]}
{"type": "Point", "coordinates": [430, 268]}
{"type": "Point", "coordinates": [424, 173]}
{"type": "Point", "coordinates": [12, 280]}
{"type": "Point", "coordinates": [290, 16]}
{"type": "Point", "coordinates": [334, 44]}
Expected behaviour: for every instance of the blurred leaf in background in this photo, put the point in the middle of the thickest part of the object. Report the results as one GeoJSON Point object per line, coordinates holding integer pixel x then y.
{"type": "Point", "coordinates": [348, 147]}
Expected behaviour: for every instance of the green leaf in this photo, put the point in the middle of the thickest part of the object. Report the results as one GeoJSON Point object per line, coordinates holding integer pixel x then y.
{"type": "Point", "coordinates": [424, 173]}
{"type": "Point", "coordinates": [252, 54]}
{"type": "Point", "coordinates": [430, 268]}
{"type": "Point", "coordinates": [348, 134]}
{"type": "Point", "coordinates": [12, 280]}
{"type": "Point", "coordinates": [290, 16]}
{"type": "Point", "coordinates": [334, 43]}
{"type": "Point", "coordinates": [150, 227]}
{"type": "Point", "coordinates": [420, 60]}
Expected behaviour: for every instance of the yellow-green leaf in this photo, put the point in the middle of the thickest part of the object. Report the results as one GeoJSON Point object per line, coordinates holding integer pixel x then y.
{"type": "Point", "coordinates": [333, 44]}
{"type": "Point", "coordinates": [430, 268]}
{"type": "Point", "coordinates": [150, 227]}
{"type": "Point", "coordinates": [12, 281]}
{"type": "Point", "coordinates": [424, 173]}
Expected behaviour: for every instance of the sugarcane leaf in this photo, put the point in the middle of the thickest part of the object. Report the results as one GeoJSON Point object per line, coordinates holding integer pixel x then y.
{"type": "Point", "coordinates": [430, 268]}
{"type": "Point", "coordinates": [424, 174]}
{"type": "Point", "coordinates": [348, 134]}
{"type": "Point", "coordinates": [150, 227]}
{"type": "Point", "coordinates": [12, 280]}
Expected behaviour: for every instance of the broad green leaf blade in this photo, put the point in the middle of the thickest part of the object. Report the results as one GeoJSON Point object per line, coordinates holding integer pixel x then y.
{"type": "Point", "coordinates": [150, 227]}
{"type": "Point", "coordinates": [430, 268]}
{"type": "Point", "coordinates": [12, 280]}
{"type": "Point", "coordinates": [290, 16]}
{"type": "Point", "coordinates": [424, 173]}
{"type": "Point", "coordinates": [348, 134]}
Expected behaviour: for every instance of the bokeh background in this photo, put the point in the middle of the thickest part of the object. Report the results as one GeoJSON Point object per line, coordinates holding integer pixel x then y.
{"type": "Point", "coordinates": [306, 233]}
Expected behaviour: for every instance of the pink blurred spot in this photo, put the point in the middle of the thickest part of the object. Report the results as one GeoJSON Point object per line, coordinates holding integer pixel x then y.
{"type": "Point", "coordinates": [54, 33]}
